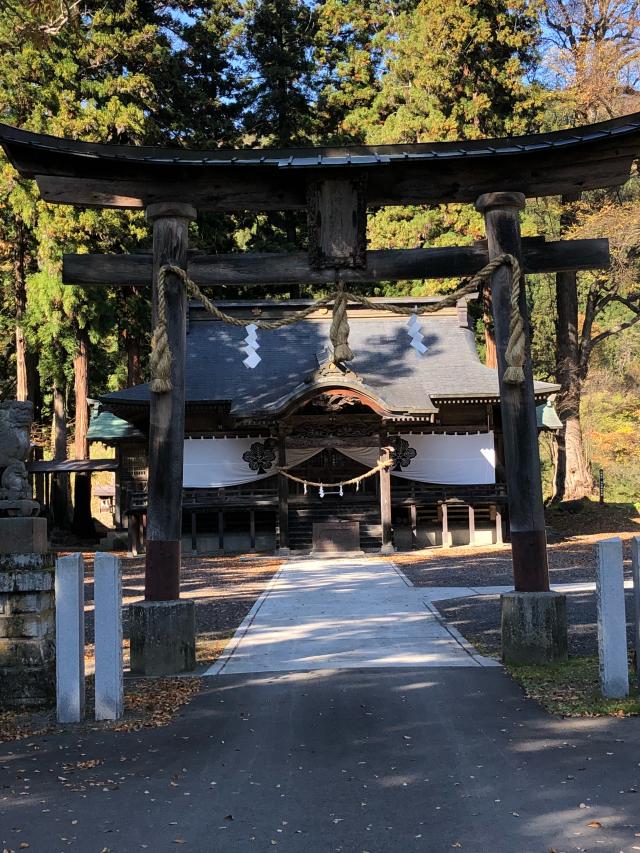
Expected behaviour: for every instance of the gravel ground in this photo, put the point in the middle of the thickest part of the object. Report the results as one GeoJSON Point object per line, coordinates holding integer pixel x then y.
{"type": "Point", "coordinates": [571, 561]}
{"type": "Point", "coordinates": [478, 620]}
{"type": "Point", "coordinates": [224, 589]}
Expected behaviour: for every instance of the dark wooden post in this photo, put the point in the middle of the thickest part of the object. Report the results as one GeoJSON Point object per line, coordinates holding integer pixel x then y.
{"type": "Point", "coordinates": [385, 504]}
{"type": "Point", "coordinates": [517, 404]}
{"type": "Point", "coordinates": [166, 417]}
{"type": "Point", "coordinates": [194, 533]}
{"type": "Point", "coordinates": [283, 500]}
{"type": "Point", "coordinates": [252, 529]}
{"type": "Point", "coordinates": [221, 530]}
{"type": "Point", "coordinates": [117, 498]}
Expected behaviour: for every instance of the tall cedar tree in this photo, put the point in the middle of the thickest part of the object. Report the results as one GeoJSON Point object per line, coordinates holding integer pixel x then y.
{"type": "Point", "coordinates": [111, 74]}
{"type": "Point", "coordinates": [593, 63]}
{"type": "Point", "coordinates": [278, 101]}
{"type": "Point", "coordinates": [450, 72]}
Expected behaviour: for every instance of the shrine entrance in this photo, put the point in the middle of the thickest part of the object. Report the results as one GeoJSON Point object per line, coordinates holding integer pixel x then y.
{"type": "Point", "coordinates": [336, 187]}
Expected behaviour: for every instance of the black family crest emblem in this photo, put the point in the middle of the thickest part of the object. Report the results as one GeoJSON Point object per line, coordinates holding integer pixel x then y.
{"type": "Point", "coordinates": [402, 453]}
{"type": "Point", "coordinates": [261, 455]}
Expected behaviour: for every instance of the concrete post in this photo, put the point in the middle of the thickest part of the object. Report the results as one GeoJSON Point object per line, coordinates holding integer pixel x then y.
{"type": "Point", "coordinates": [612, 623]}
{"type": "Point", "coordinates": [635, 565]}
{"type": "Point", "coordinates": [108, 630]}
{"type": "Point", "coordinates": [70, 638]}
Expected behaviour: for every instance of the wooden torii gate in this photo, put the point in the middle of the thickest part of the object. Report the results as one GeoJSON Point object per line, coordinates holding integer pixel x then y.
{"type": "Point", "coordinates": [336, 186]}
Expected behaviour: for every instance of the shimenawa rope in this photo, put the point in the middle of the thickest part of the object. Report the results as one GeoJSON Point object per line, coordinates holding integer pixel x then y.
{"type": "Point", "coordinates": [160, 360]}
{"type": "Point", "coordinates": [386, 463]}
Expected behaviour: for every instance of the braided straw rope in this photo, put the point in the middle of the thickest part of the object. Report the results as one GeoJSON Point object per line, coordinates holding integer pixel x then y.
{"type": "Point", "coordinates": [160, 360]}
{"type": "Point", "coordinates": [386, 463]}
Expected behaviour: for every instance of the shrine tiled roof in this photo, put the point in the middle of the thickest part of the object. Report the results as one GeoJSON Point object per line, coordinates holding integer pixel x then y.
{"type": "Point", "coordinates": [386, 366]}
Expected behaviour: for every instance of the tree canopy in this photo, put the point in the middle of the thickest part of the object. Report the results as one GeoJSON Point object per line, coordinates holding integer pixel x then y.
{"type": "Point", "coordinates": [207, 73]}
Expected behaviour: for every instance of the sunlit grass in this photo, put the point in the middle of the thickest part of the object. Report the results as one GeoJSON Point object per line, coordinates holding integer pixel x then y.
{"type": "Point", "coordinates": [572, 689]}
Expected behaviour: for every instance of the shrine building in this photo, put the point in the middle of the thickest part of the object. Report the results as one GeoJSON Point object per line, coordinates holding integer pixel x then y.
{"type": "Point", "coordinates": [437, 412]}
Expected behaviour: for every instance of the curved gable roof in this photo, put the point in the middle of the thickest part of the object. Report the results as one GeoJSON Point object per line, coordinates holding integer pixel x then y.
{"type": "Point", "coordinates": [387, 367]}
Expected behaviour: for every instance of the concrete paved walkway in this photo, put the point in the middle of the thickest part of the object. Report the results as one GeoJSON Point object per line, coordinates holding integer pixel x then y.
{"type": "Point", "coordinates": [343, 614]}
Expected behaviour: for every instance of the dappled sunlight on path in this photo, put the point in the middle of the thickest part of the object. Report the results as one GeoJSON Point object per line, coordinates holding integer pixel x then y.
{"type": "Point", "coordinates": [341, 614]}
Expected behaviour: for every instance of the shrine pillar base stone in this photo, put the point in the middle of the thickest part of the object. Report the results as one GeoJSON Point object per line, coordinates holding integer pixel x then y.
{"type": "Point", "coordinates": [534, 627]}
{"type": "Point", "coordinates": [162, 635]}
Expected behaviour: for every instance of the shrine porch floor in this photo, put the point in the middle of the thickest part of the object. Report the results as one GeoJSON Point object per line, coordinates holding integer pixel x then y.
{"type": "Point", "coordinates": [319, 614]}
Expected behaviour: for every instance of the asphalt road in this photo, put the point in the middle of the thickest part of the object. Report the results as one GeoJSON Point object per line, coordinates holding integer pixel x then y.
{"type": "Point", "coordinates": [384, 761]}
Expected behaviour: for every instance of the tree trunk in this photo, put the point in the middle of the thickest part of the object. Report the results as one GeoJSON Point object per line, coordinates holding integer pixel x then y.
{"type": "Point", "coordinates": [60, 486]}
{"type": "Point", "coordinates": [22, 383]}
{"type": "Point", "coordinates": [82, 520]}
{"type": "Point", "coordinates": [578, 481]}
{"type": "Point", "coordinates": [291, 232]}
{"type": "Point", "coordinates": [490, 351]}
{"type": "Point", "coordinates": [81, 379]}
{"type": "Point", "coordinates": [134, 364]}
{"type": "Point", "coordinates": [572, 478]}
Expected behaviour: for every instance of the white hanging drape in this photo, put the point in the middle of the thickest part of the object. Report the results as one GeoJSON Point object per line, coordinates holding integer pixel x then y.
{"type": "Point", "coordinates": [211, 463]}
{"type": "Point", "coordinates": [440, 459]}
{"type": "Point", "coordinates": [454, 460]}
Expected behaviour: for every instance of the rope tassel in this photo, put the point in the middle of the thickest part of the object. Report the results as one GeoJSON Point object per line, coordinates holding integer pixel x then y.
{"type": "Point", "coordinates": [160, 358]}
{"type": "Point", "coordinates": [339, 332]}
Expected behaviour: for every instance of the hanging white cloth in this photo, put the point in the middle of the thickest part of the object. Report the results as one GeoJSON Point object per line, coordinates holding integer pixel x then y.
{"type": "Point", "coordinates": [440, 459]}
{"type": "Point", "coordinates": [454, 460]}
{"type": "Point", "coordinates": [211, 463]}
{"type": "Point", "coordinates": [367, 456]}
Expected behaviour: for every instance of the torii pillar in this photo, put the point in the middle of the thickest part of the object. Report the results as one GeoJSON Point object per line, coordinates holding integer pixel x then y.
{"type": "Point", "coordinates": [534, 622]}
{"type": "Point", "coordinates": [163, 626]}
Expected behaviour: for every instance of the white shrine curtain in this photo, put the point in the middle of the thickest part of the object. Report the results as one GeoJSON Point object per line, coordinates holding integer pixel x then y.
{"type": "Point", "coordinates": [218, 462]}
{"type": "Point", "coordinates": [451, 460]}
{"type": "Point", "coordinates": [440, 459]}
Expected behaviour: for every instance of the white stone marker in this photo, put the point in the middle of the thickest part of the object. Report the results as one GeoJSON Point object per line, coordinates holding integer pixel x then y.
{"type": "Point", "coordinates": [635, 565]}
{"type": "Point", "coordinates": [70, 638]}
{"type": "Point", "coordinates": [108, 622]}
{"type": "Point", "coordinates": [612, 623]}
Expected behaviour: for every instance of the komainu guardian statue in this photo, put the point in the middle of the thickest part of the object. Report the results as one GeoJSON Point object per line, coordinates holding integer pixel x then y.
{"type": "Point", "coordinates": [15, 441]}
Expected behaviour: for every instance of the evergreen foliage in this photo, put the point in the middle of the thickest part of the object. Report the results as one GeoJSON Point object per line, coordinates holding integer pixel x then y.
{"type": "Point", "coordinates": [208, 73]}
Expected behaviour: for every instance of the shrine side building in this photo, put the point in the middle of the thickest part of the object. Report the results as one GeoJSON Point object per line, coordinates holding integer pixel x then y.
{"type": "Point", "coordinates": [435, 416]}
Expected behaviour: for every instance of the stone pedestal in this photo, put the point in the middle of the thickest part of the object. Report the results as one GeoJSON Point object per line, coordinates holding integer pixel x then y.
{"type": "Point", "coordinates": [534, 627]}
{"type": "Point", "coordinates": [27, 615]}
{"type": "Point", "coordinates": [162, 635]}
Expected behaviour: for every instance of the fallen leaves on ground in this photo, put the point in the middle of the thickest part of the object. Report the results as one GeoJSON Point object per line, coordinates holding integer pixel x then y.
{"type": "Point", "coordinates": [572, 689]}
{"type": "Point", "coordinates": [153, 702]}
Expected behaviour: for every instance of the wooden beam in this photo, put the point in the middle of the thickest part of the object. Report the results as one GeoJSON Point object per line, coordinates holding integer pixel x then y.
{"type": "Point", "coordinates": [221, 530]}
{"type": "Point", "coordinates": [252, 529]}
{"type": "Point", "coordinates": [194, 534]}
{"type": "Point", "coordinates": [517, 403]}
{"type": "Point", "coordinates": [382, 265]}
